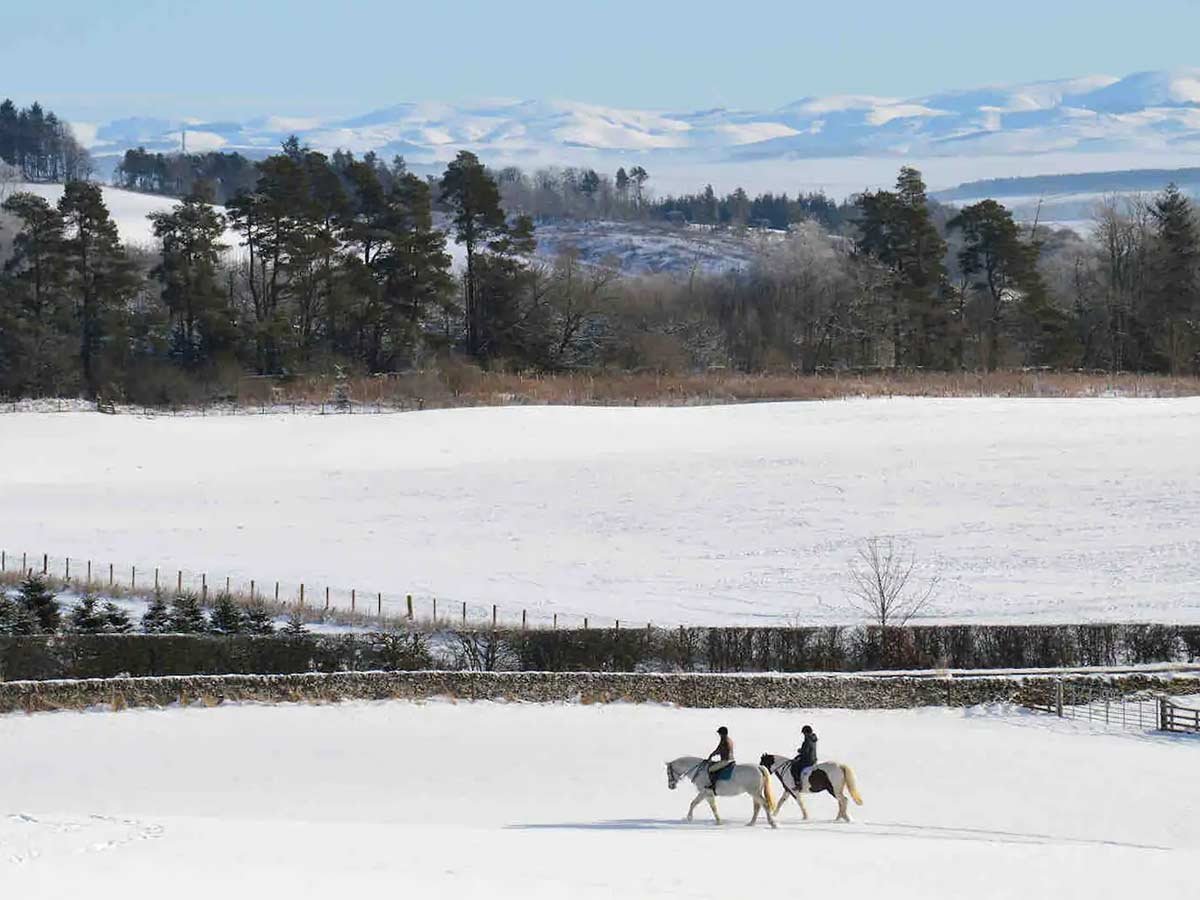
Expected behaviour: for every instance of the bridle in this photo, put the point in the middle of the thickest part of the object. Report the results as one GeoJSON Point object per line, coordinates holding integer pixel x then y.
{"type": "Point", "coordinates": [673, 779]}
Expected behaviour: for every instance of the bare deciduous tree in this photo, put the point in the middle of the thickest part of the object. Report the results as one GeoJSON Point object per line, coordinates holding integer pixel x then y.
{"type": "Point", "coordinates": [10, 177]}
{"type": "Point", "coordinates": [882, 583]}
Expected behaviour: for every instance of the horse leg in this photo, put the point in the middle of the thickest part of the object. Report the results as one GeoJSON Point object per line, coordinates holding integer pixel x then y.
{"type": "Point", "coordinates": [691, 809]}
{"type": "Point", "coordinates": [757, 805]}
{"type": "Point", "coordinates": [843, 815]}
{"type": "Point", "coordinates": [712, 804]}
{"type": "Point", "coordinates": [803, 808]}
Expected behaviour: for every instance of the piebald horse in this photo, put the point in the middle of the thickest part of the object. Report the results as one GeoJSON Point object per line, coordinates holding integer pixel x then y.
{"type": "Point", "coordinates": [752, 780]}
{"type": "Point", "coordinates": [830, 776]}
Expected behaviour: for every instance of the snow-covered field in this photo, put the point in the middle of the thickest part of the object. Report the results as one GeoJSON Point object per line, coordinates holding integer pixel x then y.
{"type": "Point", "coordinates": [1028, 510]}
{"type": "Point", "coordinates": [491, 801]}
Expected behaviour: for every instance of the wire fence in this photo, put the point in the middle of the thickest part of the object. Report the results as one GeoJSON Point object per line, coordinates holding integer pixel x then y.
{"type": "Point", "coordinates": [312, 600]}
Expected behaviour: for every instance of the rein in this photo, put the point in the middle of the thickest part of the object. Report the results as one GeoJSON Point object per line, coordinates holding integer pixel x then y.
{"type": "Point", "coordinates": [777, 770]}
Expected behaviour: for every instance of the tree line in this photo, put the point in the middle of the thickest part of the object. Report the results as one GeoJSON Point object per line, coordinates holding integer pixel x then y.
{"type": "Point", "coordinates": [39, 145]}
{"type": "Point", "coordinates": [331, 262]}
{"type": "Point", "coordinates": [220, 175]}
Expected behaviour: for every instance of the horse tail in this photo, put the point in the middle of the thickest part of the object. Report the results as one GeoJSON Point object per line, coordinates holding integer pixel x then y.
{"type": "Point", "coordinates": [851, 784]}
{"type": "Point", "coordinates": [767, 792]}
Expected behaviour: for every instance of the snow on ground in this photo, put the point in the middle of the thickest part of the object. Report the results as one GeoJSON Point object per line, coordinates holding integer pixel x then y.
{"type": "Point", "coordinates": [128, 209]}
{"type": "Point", "coordinates": [479, 800]}
{"type": "Point", "coordinates": [1028, 510]}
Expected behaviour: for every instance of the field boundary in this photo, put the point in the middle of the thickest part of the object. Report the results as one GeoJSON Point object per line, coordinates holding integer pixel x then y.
{"type": "Point", "coordinates": [685, 690]}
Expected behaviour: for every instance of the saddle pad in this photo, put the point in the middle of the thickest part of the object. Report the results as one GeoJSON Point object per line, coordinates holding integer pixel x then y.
{"type": "Point", "coordinates": [725, 774]}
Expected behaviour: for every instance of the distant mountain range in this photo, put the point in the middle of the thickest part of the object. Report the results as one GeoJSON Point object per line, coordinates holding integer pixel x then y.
{"type": "Point", "coordinates": [1146, 117]}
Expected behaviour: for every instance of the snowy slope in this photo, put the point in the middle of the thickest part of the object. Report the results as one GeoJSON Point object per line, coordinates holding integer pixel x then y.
{"type": "Point", "coordinates": [128, 209]}
{"type": "Point", "coordinates": [465, 801]}
{"type": "Point", "coordinates": [1028, 510]}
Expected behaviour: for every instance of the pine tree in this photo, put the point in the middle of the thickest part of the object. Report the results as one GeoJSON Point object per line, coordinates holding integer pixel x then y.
{"type": "Point", "coordinates": [116, 620]}
{"type": "Point", "coordinates": [258, 620]}
{"type": "Point", "coordinates": [1175, 270]}
{"type": "Point", "coordinates": [157, 618]}
{"type": "Point", "coordinates": [897, 230]}
{"type": "Point", "coordinates": [36, 317]}
{"type": "Point", "coordinates": [226, 616]}
{"type": "Point", "coordinates": [87, 617]}
{"type": "Point", "coordinates": [102, 278]}
{"type": "Point", "coordinates": [1002, 270]}
{"type": "Point", "coordinates": [187, 616]}
{"type": "Point", "coordinates": [474, 201]}
{"type": "Point", "coordinates": [191, 246]}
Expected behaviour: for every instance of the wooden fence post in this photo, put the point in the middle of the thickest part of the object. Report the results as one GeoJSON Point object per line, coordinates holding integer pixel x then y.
{"type": "Point", "coordinates": [353, 601]}
{"type": "Point", "coordinates": [1058, 697]}
{"type": "Point", "coordinates": [226, 584]}
{"type": "Point", "coordinates": [556, 621]}
{"type": "Point", "coordinates": [435, 610]}
{"type": "Point", "coordinates": [277, 592]}
{"type": "Point", "coordinates": [522, 620]}
{"type": "Point", "coordinates": [379, 606]}
{"type": "Point", "coordinates": [464, 614]}
{"type": "Point", "coordinates": [203, 587]}
{"type": "Point", "coordinates": [493, 615]}
{"type": "Point", "coordinates": [45, 563]}
{"type": "Point", "coordinates": [3, 560]}
{"type": "Point", "coordinates": [67, 576]}
{"type": "Point", "coordinates": [132, 577]}
{"type": "Point", "coordinates": [302, 595]}
{"type": "Point", "coordinates": [408, 600]}
{"type": "Point", "coordinates": [156, 579]}
{"type": "Point", "coordinates": [585, 623]}
{"type": "Point", "coordinates": [89, 575]}
{"type": "Point", "coordinates": [24, 564]}
{"type": "Point", "coordinates": [251, 590]}
{"type": "Point", "coordinates": [179, 582]}
{"type": "Point", "coordinates": [110, 574]}
{"type": "Point", "coordinates": [617, 627]}
{"type": "Point", "coordinates": [1164, 714]}
{"type": "Point", "coordinates": [327, 599]}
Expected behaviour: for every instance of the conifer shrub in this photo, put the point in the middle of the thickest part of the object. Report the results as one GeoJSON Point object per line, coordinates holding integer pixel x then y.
{"type": "Point", "coordinates": [226, 616]}
{"type": "Point", "coordinates": [40, 602]}
{"type": "Point", "coordinates": [157, 617]}
{"type": "Point", "coordinates": [187, 616]}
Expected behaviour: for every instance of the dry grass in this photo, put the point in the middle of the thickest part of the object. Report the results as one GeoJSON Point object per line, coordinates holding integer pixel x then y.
{"type": "Point", "coordinates": [460, 385]}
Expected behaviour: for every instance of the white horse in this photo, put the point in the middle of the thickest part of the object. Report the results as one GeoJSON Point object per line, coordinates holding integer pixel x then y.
{"type": "Point", "coordinates": [752, 780]}
{"type": "Point", "coordinates": [830, 776]}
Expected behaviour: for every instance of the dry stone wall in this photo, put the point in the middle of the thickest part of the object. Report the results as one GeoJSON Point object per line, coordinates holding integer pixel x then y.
{"type": "Point", "coordinates": [688, 690]}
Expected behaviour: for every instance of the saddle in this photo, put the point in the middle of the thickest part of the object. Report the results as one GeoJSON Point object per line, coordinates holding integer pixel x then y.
{"type": "Point", "coordinates": [724, 774]}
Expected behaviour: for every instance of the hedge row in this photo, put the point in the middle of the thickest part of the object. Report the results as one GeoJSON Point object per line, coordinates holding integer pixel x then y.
{"type": "Point", "coordinates": [604, 650]}
{"type": "Point", "coordinates": [140, 655]}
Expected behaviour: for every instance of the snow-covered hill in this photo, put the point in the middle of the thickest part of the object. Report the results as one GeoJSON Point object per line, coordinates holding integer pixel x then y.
{"type": "Point", "coordinates": [1029, 510]}
{"type": "Point", "coordinates": [1095, 121]}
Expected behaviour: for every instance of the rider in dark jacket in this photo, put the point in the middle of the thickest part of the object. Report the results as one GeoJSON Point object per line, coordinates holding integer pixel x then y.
{"type": "Point", "coordinates": [808, 750]}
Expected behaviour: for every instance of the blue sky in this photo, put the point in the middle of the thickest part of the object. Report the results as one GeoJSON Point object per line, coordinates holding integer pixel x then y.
{"type": "Point", "coordinates": [95, 59]}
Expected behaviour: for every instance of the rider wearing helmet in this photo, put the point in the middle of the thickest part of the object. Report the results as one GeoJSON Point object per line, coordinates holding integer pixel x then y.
{"type": "Point", "coordinates": [724, 757]}
{"type": "Point", "coordinates": [808, 750]}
